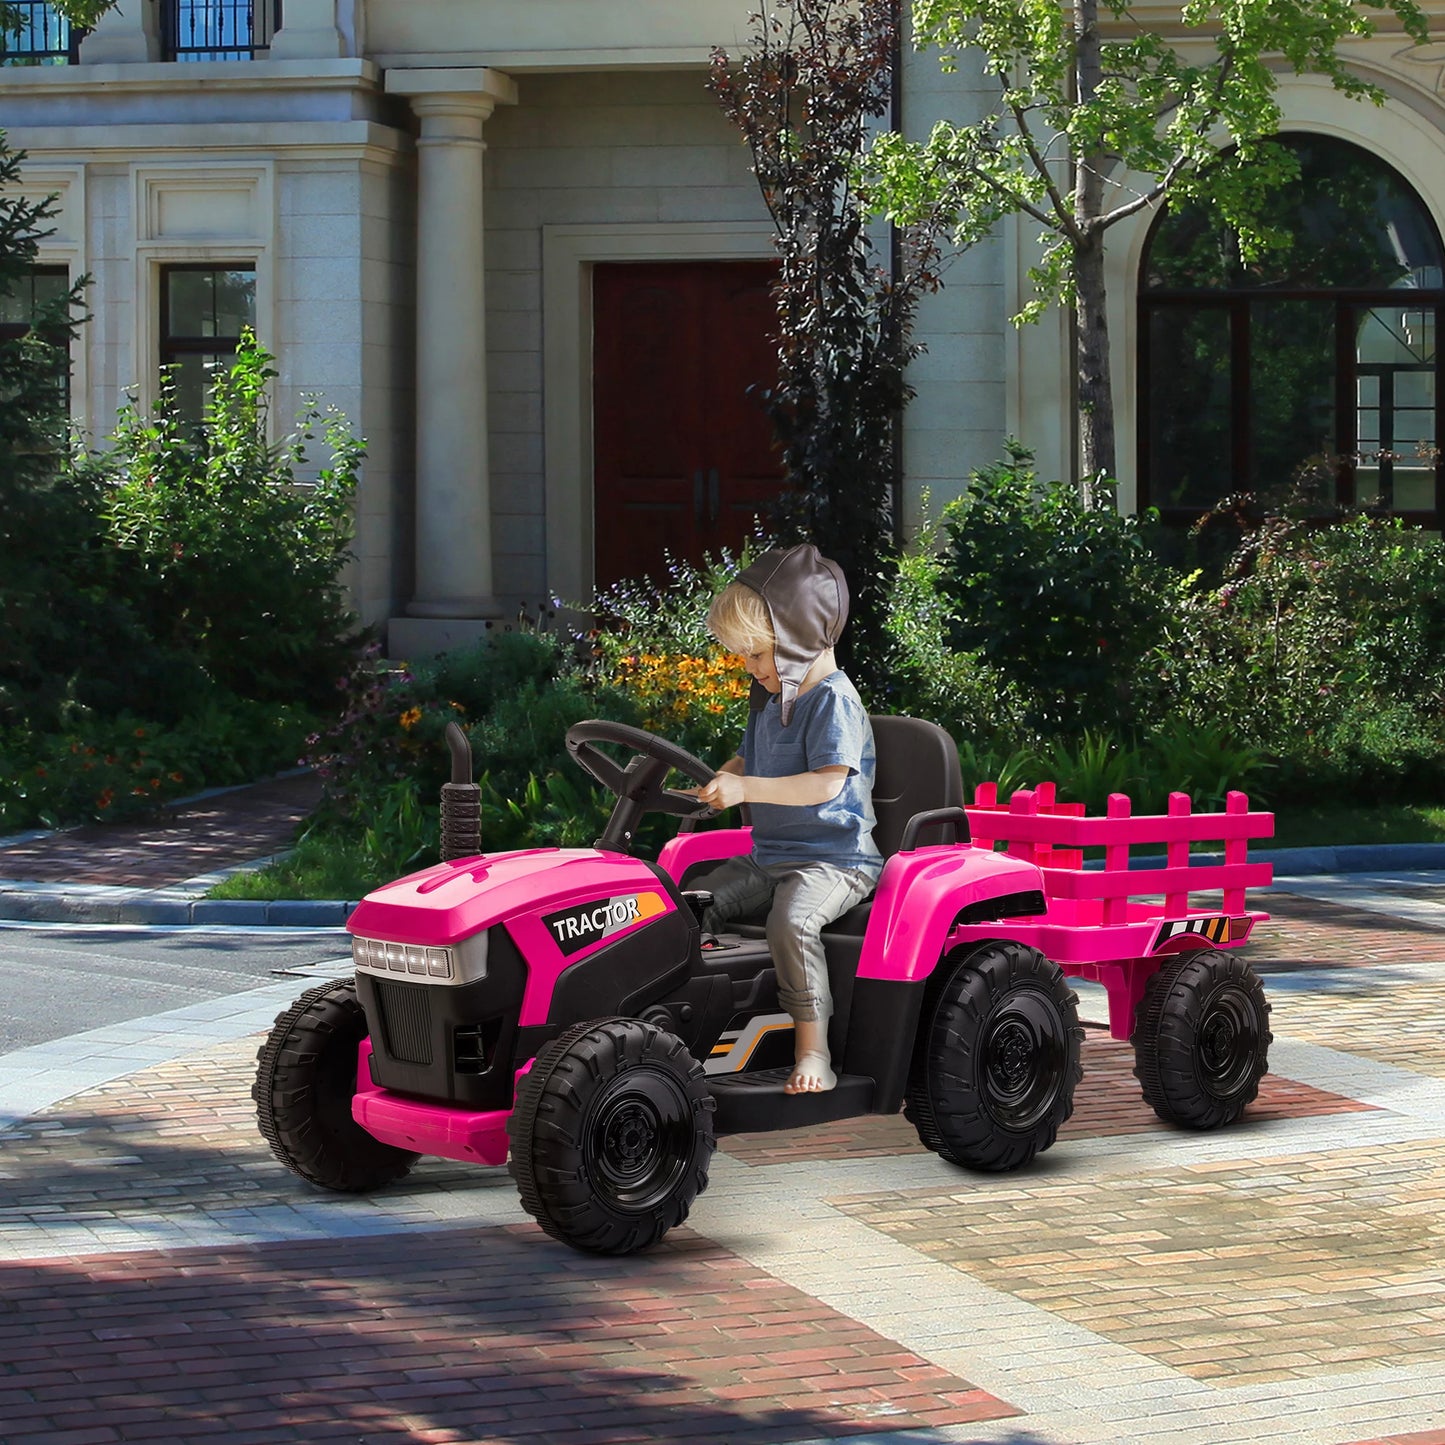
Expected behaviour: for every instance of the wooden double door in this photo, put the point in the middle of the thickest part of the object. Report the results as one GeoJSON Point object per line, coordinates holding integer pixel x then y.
{"type": "Point", "coordinates": [684, 455]}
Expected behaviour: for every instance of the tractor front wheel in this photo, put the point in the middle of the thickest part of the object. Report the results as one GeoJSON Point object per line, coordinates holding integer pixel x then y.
{"type": "Point", "coordinates": [305, 1081]}
{"type": "Point", "coordinates": [1201, 1039]}
{"type": "Point", "coordinates": [611, 1135]}
{"type": "Point", "coordinates": [997, 1059]}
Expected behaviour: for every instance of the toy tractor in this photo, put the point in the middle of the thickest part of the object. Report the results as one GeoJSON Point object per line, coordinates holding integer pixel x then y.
{"type": "Point", "coordinates": [562, 1008]}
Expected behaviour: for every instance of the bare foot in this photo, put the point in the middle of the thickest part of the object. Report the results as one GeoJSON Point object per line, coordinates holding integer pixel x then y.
{"type": "Point", "coordinates": [812, 1074]}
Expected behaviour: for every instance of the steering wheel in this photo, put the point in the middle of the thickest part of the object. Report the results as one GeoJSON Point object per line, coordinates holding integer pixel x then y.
{"type": "Point", "coordinates": [638, 785]}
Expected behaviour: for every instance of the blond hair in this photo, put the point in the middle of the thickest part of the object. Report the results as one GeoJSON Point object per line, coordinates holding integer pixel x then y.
{"type": "Point", "coordinates": [739, 619]}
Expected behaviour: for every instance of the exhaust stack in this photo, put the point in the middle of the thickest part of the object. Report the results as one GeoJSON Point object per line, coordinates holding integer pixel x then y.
{"type": "Point", "coordinates": [461, 802]}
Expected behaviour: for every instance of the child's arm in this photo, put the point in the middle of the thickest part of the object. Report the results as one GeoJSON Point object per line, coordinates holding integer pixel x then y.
{"type": "Point", "coordinates": [802, 790]}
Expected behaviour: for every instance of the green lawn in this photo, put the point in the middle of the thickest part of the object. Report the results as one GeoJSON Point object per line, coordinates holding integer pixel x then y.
{"type": "Point", "coordinates": [315, 869]}
{"type": "Point", "coordinates": [320, 869]}
{"type": "Point", "coordinates": [1328, 825]}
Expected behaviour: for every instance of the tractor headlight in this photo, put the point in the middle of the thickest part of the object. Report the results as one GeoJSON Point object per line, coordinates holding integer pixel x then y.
{"type": "Point", "coordinates": [462, 962]}
{"type": "Point", "coordinates": [371, 955]}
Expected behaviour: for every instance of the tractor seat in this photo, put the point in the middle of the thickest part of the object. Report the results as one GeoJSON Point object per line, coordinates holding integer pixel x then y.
{"type": "Point", "coordinates": [917, 770]}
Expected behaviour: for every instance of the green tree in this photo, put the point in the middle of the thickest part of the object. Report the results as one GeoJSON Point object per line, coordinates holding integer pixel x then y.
{"type": "Point", "coordinates": [44, 526]}
{"type": "Point", "coordinates": [79, 12]}
{"type": "Point", "coordinates": [814, 79]}
{"type": "Point", "coordinates": [1098, 118]}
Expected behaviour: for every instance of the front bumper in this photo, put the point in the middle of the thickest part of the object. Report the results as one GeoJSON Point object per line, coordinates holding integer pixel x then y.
{"type": "Point", "coordinates": [471, 1136]}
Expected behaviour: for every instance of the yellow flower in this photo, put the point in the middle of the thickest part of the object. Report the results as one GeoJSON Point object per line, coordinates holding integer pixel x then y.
{"type": "Point", "coordinates": [410, 718]}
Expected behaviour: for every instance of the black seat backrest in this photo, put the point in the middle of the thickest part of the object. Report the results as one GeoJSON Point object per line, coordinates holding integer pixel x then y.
{"type": "Point", "coordinates": [917, 771]}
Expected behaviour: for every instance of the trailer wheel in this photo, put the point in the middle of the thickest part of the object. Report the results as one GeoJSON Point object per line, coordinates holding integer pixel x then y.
{"type": "Point", "coordinates": [305, 1081]}
{"type": "Point", "coordinates": [996, 1060]}
{"type": "Point", "coordinates": [1201, 1039]}
{"type": "Point", "coordinates": [611, 1135]}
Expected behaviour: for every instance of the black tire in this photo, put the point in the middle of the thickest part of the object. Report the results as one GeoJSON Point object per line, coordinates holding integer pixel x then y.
{"type": "Point", "coordinates": [305, 1081]}
{"type": "Point", "coordinates": [997, 1059]}
{"type": "Point", "coordinates": [1201, 1039]}
{"type": "Point", "coordinates": [611, 1135]}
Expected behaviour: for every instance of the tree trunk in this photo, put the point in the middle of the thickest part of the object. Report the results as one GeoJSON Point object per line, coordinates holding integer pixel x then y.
{"type": "Point", "coordinates": [1095, 396]}
{"type": "Point", "coordinates": [1096, 392]}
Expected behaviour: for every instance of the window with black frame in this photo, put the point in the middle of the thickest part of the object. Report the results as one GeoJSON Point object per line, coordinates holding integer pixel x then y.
{"type": "Point", "coordinates": [41, 289]}
{"type": "Point", "coordinates": [218, 29]}
{"type": "Point", "coordinates": [38, 35]}
{"type": "Point", "coordinates": [204, 309]}
{"type": "Point", "coordinates": [1328, 348]}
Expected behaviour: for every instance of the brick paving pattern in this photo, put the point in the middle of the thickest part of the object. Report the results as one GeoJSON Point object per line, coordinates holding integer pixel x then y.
{"type": "Point", "coordinates": [1238, 1274]}
{"type": "Point", "coordinates": [184, 842]}
{"type": "Point", "coordinates": [464, 1335]}
{"type": "Point", "coordinates": [1306, 933]}
{"type": "Point", "coordinates": [1414, 1437]}
{"type": "Point", "coordinates": [1390, 1020]}
{"type": "Point", "coordinates": [175, 1140]}
{"type": "Point", "coordinates": [1106, 1102]}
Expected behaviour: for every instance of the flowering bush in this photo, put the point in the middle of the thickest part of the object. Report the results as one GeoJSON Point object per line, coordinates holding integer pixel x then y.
{"type": "Point", "coordinates": [699, 702]}
{"type": "Point", "coordinates": [108, 770]}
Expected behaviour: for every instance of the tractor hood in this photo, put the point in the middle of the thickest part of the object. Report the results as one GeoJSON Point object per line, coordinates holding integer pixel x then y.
{"type": "Point", "coordinates": [445, 904]}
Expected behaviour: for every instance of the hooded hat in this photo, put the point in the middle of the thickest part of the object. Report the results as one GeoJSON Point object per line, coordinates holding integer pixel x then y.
{"type": "Point", "coordinates": [807, 601]}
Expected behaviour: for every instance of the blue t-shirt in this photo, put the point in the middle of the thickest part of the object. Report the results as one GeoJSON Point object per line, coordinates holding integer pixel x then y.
{"type": "Point", "coordinates": [829, 728]}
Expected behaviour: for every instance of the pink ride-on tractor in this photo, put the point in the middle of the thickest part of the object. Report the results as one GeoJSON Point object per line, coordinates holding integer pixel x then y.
{"type": "Point", "coordinates": [563, 1007]}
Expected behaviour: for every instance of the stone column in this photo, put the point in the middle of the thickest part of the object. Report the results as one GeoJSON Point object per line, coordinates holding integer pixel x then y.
{"type": "Point", "coordinates": [128, 33]}
{"type": "Point", "coordinates": [308, 32]}
{"type": "Point", "coordinates": [453, 489]}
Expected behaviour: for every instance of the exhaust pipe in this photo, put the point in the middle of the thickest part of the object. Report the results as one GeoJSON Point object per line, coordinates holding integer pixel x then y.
{"type": "Point", "coordinates": [461, 802]}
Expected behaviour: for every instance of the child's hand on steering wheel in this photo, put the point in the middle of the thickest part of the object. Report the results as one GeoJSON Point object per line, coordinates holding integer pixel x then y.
{"type": "Point", "coordinates": [725, 791]}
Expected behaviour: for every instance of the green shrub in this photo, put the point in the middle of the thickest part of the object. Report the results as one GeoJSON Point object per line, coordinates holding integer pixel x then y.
{"type": "Point", "coordinates": [1204, 760]}
{"type": "Point", "coordinates": [975, 700]}
{"type": "Point", "coordinates": [226, 559]}
{"type": "Point", "coordinates": [1062, 597]}
{"type": "Point", "coordinates": [1324, 649]}
{"type": "Point", "coordinates": [112, 769]}
{"type": "Point", "coordinates": [384, 761]}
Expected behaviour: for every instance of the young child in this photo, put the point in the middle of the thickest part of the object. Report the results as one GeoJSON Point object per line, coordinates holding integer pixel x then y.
{"type": "Point", "coordinates": [805, 769]}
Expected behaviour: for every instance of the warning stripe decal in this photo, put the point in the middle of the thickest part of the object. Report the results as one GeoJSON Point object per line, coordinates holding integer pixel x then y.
{"type": "Point", "coordinates": [1215, 928]}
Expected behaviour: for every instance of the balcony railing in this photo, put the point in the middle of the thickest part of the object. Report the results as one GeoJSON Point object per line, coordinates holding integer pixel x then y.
{"type": "Point", "coordinates": [43, 37]}
{"type": "Point", "coordinates": [219, 29]}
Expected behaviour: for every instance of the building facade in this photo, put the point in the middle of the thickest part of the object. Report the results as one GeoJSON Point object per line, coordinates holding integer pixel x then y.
{"type": "Point", "coordinates": [520, 247]}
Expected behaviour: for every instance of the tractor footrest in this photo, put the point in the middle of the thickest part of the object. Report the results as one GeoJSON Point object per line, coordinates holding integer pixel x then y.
{"type": "Point", "coordinates": [754, 1102]}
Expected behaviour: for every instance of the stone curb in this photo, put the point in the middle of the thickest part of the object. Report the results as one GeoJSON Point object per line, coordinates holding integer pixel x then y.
{"type": "Point", "coordinates": [173, 907]}
{"type": "Point", "coordinates": [184, 905]}
{"type": "Point", "coordinates": [1307, 862]}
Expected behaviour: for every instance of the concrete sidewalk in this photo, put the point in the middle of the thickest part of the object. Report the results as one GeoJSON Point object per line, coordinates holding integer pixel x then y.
{"type": "Point", "coordinates": [1283, 1280]}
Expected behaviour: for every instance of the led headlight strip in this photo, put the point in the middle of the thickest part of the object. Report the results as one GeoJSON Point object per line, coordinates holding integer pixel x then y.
{"type": "Point", "coordinates": [374, 956]}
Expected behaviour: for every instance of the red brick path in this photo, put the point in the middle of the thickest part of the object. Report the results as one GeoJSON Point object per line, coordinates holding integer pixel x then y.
{"type": "Point", "coordinates": [474, 1335]}
{"type": "Point", "coordinates": [1106, 1102]}
{"type": "Point", "coordinates": [215, 832]}
{"type": "Point", "coordinates": [1305, 933]}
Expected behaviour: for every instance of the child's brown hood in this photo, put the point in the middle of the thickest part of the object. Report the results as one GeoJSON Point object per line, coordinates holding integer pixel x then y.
{"type": "Point", "coordinates": [807, 601]}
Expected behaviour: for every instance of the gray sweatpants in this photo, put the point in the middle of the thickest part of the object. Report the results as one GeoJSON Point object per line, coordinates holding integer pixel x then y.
{"type": "Point", "coordinates": [805, 898]}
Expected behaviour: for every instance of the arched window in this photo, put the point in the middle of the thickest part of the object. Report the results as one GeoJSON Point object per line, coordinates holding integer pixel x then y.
{"type": "Point", "coordinates": [1327, 347]}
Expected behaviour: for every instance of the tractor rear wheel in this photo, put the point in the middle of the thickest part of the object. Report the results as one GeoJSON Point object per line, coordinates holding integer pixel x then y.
{"type": "Point", "coordinates": [996, 1060]}
{"type": "Point", "coordinates": [305, 1081]}
{"type": "Point", "coordinates": [611, 1135]}
{"type": "Point", "coordinates": [1201, 1039]}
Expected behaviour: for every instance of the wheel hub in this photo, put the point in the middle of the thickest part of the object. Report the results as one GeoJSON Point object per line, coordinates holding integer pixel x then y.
{"type": "Point", "coordinates": [631, 1136]}
{"type": "Point", "coordinates": [639, 1139]}
{"type": "Point", "coordinates": [1023, 1060]}
{"type": "Point", "coordinates": [1229, 1039]}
